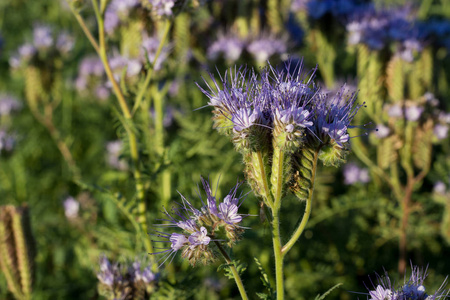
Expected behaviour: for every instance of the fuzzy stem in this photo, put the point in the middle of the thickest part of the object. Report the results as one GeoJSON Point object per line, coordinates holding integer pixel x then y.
{"type": "Point", "coordinates": [298, 232]}
{"type": "Point", "coordinates": [233, 269]}
{"type": "Point", "coordinates": [149, 75]}
{"type": "Point", "coordinates": [140, 190]}
{"type": "Point", "coordinates": [277, 186]}
{"type": "Point", "coordinates": [278, 254]}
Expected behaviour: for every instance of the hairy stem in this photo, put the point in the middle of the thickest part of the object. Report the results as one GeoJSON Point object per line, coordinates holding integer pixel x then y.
{"type": "Point", "coordinates": [140, 190]}
{"type": "Point", "coordinates": [233, 269]}
{"type": "Point", "coordinates": [298, 232]}
{"type": "Point", "coordinates": [278, 254]}
{"type": "Point", "coordinates": [277, 180]}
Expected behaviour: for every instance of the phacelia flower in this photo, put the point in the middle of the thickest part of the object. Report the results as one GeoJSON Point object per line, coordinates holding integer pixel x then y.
{"type": "Point", "coordinates": [71, 208]}
{"type": "Point", "coordinates": [319, 8]}
{"type": "Point", "coordinates": [354, 174]}
{"type": "Point", "coordinates": [42, 37]}
{"type": "Point", "coordinates": [203, 228]}
{"type": "Point", "coordinates": [413, 113]}
{"type": "Point", "coordinates": [114, 150]}
{"type": "Point", "coordinates": [439, 187]}
{"type": "Point", "coordinates": [8, 104]}
{"type": "Point", "coordinates": [395, 111]}
{"type": "Point", "coordinates": [125, 281]}
{"type": "Point", "coordinates": [162, 7]}
{"type": "Point", "coordinates": [227, 45]}
{"type": "Point", "coordinates": [412, 289]}
{"type": "Point", "coordinates": [440, 131]}
{"type": "Point", "coordinates": [283, 105]}
{"type": "Point", "coordinates": [265, 47]}
{"type": "Point", "coordinates": [377, 28]}
{"type": "Point", "coordinates": [382, 131]}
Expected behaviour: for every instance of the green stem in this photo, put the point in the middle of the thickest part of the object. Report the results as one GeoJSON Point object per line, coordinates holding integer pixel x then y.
{"type": "Point", "coordinates": [277, 186]}
{"type": "Point", "coordinates": [298, 232]}
{"type": "Point", "coordinates": [134, 152]}
{"type": "Point", "coordinates": [236, 276]}
{"type": "Point", "coordinates": [278, 254]}
{"type": "Point", "coordinates": [149, 75]}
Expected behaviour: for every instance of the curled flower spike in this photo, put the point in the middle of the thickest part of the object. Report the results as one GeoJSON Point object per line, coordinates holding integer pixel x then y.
{"type": "Point", "coordinates": [213, 222]}
{"type": "Point", "coordinates": [412, 289]}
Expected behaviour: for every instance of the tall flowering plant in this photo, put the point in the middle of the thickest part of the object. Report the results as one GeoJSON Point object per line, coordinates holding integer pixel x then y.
{"type": "Point", "coordinates": [283, 125]}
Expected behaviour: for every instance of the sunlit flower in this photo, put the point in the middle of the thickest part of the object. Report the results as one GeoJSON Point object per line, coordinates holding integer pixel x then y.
{"type": "Point", "coordinates": [200, 227]}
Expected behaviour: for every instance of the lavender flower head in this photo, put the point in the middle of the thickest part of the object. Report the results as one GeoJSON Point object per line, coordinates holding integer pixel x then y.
{"type": "Point", "coordinates": [412, 289]}
{"type": "Point", "coordinates": [439, 188]}
{"type": "Point", "coordinates": [117, 11]}
{"type": "Point", "coordinates": [42, 37]}
{"type": "Point", "coordinates": [413, 112]}
{"type": "Point", "coordinates": [353, 174]}
{"type": "Point", "coordinates": [395, 111]}
{"type": "Point", "coordinates": [150, 45]}
{"type": "Point", "coordinates": [265, 47]}
{"type": "Point", "coordinates": [162, 7]}
{"type": "Point", "coordinates": [114, 149]}
{"type": "Point", "coordinates": [319, 8]}
{"type": "Point", "coordinates": [382, 131]}
{"type": "Point", "coordinates": [440, 131]}
{"type": "Point", "coordinates": [8, 104]}
{"type": "Point", "coordinates": [218, 223]}
{"type": "Point", "coordinates": [283, 106]}
{"type": "Point", "coordinates": [71, 208]}
{"type": "Point", "coordinates": [125, 281]}
{"type": "Point", "coordinates": [227, 45]}
{"type": "Point", "coordinates": [377, 28]}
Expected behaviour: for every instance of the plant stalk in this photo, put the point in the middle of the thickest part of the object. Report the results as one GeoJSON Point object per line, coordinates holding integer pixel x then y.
{"type": "Point", "coordinates": [233, 269]}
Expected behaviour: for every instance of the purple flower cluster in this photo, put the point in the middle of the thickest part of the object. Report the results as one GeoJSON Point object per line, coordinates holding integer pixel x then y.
{"type": "Point", "coordinates": [231, 47]}
{"type": "Point", "coordinates": [316, 9]}
{"type": "Point", "coordinates": [44, 43]}
{"type": "Point", "coordinates": [118, 11]}
{"type": "Point", "coordinates": [162, 7]}
{"type": "Point", "coordinates": [378, 28]}
{"type": "Point", "coordinates": [8, 104]}
{"type": "Point", "coordinates": [212, 222]}
{"type": "Point", "coordinates": [114, 150]}
{"type": "Point", "coordinates": [265, 47]}
{"type": "Point", "coordinates": [71, 208]}
{"type": "Point", "coordinates": [125, 282]}
{"type": "Point", "coordinates": [227, 45]}
{"type": "Point", "coordinates": [412, 289]}
{"type": "Point", "coordinates": [279, 103]}
{"type": "Point", "coordinates": [354, 174]}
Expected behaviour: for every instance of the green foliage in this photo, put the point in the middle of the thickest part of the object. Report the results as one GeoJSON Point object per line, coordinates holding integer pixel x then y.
{"type": "Point", "coordinates": [240, 267]}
